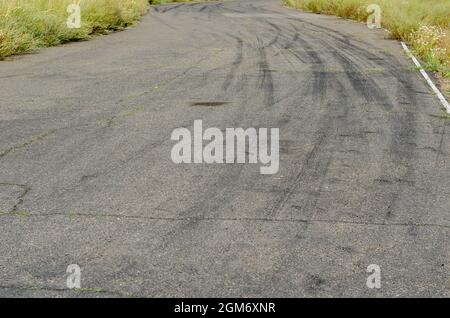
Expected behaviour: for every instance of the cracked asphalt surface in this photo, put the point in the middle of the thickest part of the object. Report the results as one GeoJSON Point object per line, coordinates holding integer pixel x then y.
{"type": "Point", "coordinates": [86, 175]}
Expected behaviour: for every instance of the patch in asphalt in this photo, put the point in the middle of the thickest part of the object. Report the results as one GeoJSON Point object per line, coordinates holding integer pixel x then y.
{"type": "Point", "coordinates": [209, 104]}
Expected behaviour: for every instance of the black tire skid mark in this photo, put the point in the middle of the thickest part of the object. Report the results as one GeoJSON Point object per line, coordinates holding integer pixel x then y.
{"type": "Point", "coordinates": [214, 194]}
{"type": "Point", "coordinates": [167, 8]}
{"type": "Point", "coordinates": [311, 162]}
{"type": "Point", "coordinates": [235, 64]}
{"type": "Point", "coordinates": [361, 84]}
{"type": "Point", "coordinates": [311, 178]}
{"type": "Point", "coordinates": [265, 75]}
{"type": "Point", "coordinates": [401, 152]}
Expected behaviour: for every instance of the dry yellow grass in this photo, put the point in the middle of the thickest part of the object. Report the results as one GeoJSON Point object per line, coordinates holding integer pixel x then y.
{"type": "Point", "coordinates": [26, 25]}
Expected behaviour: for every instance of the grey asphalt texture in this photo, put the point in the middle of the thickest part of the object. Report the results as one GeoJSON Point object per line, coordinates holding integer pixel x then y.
{"type": "Point", "coordinates": [86, 175]}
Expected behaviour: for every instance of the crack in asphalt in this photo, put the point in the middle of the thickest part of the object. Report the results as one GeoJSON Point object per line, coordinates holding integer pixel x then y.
{"type": "Point", "coordinates": [74, 291]}
{"type": "Point", "coordinates": [20, 198]}
{"type": "Point", "coordinates": [308, 221]}
{"type": "Point", "coordinates": [28, 143]}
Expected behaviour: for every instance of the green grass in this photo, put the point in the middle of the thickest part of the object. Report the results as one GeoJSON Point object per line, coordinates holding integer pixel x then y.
{"type": "Point", "coordinates": [27, 25]}
{"type": "Point", "coordinates": [424, 24]}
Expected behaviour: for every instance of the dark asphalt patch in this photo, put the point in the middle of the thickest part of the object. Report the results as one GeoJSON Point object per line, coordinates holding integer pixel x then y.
{"type": "Point", "coordinates": [209, 104]}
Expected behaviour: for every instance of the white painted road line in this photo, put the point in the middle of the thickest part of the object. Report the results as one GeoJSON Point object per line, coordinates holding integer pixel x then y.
{"type": "Point", "coordinates": [428, 79]}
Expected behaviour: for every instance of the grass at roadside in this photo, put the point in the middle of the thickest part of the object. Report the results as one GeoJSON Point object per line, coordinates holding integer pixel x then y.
{"type": "Point", "coordinates": [424, 24]}
{"type": "Point", "coordinates": [26, 25]}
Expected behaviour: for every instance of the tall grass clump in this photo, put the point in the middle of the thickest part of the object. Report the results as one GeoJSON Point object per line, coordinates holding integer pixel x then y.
{"type": "Point", "coordinates": [26, 25]}
{"type": "Point", "coordinates": [424, 24]}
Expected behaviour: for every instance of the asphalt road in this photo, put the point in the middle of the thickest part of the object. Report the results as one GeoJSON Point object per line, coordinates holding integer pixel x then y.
{"type": "Point", "coordinates": [86, 175]}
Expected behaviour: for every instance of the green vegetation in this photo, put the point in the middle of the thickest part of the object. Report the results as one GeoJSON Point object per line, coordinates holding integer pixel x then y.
{"type": "Point", "coordinates": [424, 24]}
{"type": "Point", "coordinates": [26, 25]}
